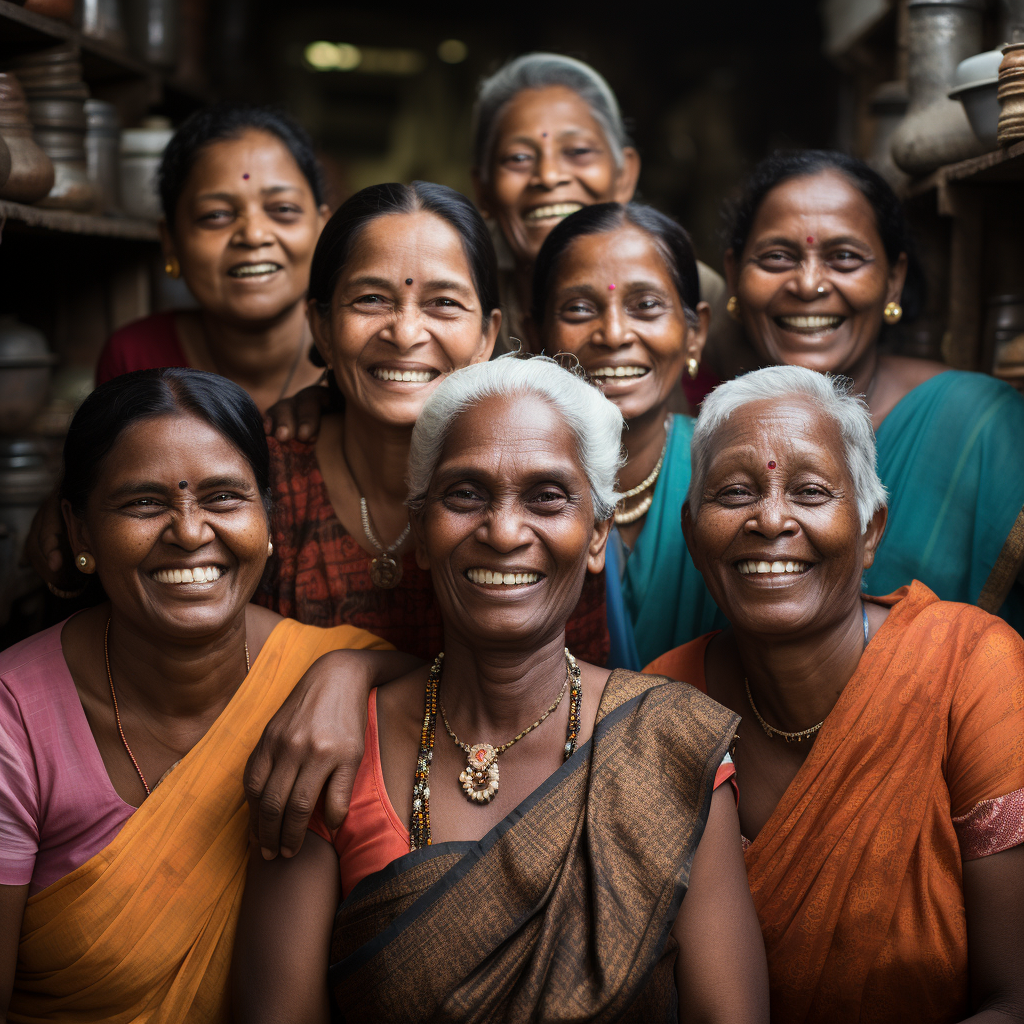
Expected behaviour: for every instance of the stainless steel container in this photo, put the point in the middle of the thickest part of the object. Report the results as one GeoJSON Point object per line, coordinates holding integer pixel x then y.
{"type": "Point", "coordinates": [141, 150]}
{"type": "Point", "coordinates": [103, 152]}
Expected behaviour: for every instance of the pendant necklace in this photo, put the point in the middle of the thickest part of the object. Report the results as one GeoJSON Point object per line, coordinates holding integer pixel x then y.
{"type": "Point", "coordinates": [480, 778]}
{"type": "Point", "coordinates": [795, 737]}
{"type": "Point", "coordinates": [117, 713]}
{"type": "Point", "coordinates": [385, 569]}
{"type": "Point", "coordinates": [624, 516]}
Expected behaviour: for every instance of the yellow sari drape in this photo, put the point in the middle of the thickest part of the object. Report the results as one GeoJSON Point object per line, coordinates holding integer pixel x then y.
{"type": "Point", "coordinates": [143, 931]}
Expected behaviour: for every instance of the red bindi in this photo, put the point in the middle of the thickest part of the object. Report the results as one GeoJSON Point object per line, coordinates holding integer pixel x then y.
{"type": "Point", "coordinates": [810, 240]}
{"type": "Point", "coordinates": [245, 177]}
{"type": "Point", "coordinates": [611, 287]}
{"type": "Point", "coordinates": [771, 465]}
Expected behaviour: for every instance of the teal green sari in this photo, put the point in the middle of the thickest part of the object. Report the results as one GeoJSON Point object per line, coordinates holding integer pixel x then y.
{"type": "Point", "coordinates": [661, 601]}
{"type": "Point", "coordinates": [951, 454]}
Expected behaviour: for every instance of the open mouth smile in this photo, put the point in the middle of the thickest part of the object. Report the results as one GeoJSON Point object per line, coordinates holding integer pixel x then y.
{"type": "Point", "coordinates": [490, 578]}
{"type": "Point", "coordinates": [405, 376]}
{"type": "Point", "coordinates": [244, 270]}
{"type": "Point", "coordinates": [556, 211]}
{"type": "Point", "coordinates": [762, 568]}
{"type": "Point", "coordinates": [817, 324]}
{"type": "Point", "coordinates": [198, 574]}
{"type": "Point", "coordinates": [618, 372]}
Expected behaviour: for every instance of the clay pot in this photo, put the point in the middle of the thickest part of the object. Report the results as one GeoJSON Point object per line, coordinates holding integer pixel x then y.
{"type": "Point", "coordinates": [63, 10]}
{"type": "Point", "coordinates": [1011, 95]}
{"type": "Point", "coordinates": [941, 33]}
{"type": "Point", "coordinates": [31, 175]}
{"type": "Point", "coordinates": [25, 365]}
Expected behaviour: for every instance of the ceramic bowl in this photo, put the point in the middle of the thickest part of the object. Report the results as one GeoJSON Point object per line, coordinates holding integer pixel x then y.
{"type": "Point", "coordinates": [975, 84]}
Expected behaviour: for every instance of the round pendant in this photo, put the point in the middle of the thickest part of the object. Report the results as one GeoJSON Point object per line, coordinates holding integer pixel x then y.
{"type": "Point", "coordinates": [385, 571]}
{"type": "Point", "coordinates": [480, 779]}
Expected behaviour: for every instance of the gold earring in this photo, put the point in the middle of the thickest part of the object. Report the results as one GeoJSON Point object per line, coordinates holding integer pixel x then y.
{"type": "Point", "coordinates": [892, 313]}
{"type": "Point", "coordinates": [692, 368]}
{"type": "Point", "coordinates": [172, 268]}
{"type": "Point", "coordinates": [86, 563]}
{"type": "Point", "coordinates": [270, 548]}
{"type": "Point", "coordinates": [732, 307]}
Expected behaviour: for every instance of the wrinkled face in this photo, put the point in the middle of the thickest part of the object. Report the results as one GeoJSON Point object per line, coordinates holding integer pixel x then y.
{"type": "Point", "coordinates": [813, 232]}
{"type": "Point", "coordinates": [245, 230]}
{"type": "Point", "coordinates": [508, 528]}
{"type": "Point", "coordinates": [150, 535]}
{"type": "Point", "coordinates": [777, 536]}
{"type": "Point", "coordinates": [615, 307]}
{"type": "Point", "coordinates": [405, 312]}
{"type": "Point", "coordinates": [550, 158]}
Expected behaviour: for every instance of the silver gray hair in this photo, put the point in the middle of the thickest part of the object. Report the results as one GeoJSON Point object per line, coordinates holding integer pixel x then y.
{"type": "Point", "coordinates": [595, 423]}
{"type": "Point", "coordinates": [831, 394]}
{"type": "Point", "coordinates": [541, 71]}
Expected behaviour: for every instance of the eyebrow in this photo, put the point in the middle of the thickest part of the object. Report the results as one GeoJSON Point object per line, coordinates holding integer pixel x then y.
{"type": "Point", "coordinates": [230, 196]}
{"type": "Point", "coordinates": [372, 281]}
{"type": "Point", "coordinates": [131, 487]}
{"type": "Point", "coordinates": [795, 242]}
{"type": "Point", "coordinates": [630, 286]}
{"type": "Point", "coordinates": [566, 133]}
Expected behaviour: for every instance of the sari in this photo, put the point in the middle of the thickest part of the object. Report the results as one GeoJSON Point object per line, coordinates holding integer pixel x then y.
{"type": "Point", "coordinates": [659, 600]}
{"type": "Point", "coordinates": [857, 876]}
{"type": "Point", "coordinates": [564, 910]}
{"type": "Point", "coordinates": [949, 456]}
{"type": "Point", "coordinates": [143, 930]}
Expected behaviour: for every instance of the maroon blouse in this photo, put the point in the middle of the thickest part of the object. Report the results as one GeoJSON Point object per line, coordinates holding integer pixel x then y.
{"type": "Point", "coordinates": [319, 575]}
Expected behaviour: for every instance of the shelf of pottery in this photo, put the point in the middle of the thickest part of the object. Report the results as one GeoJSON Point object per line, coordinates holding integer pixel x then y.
{"type": "Point", "coordinates": [949, 134]}
{"type": "Point", "coordinates": [86, 88]}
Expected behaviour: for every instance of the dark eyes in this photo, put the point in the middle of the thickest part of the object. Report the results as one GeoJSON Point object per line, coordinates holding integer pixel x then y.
{"type": "Point", "coordinates": [546, 499]}
{"type": "Point", "coordinates": [840, 259]}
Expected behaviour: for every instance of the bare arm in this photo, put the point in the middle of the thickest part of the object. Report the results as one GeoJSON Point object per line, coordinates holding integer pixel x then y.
{"type": "Point", "coordinates": [721, 971]}
{"type": "Point", "coordinates": [994, 896]}
{"type": "Point", "coordinates": [315, 739]}
{"type": "Point", "coordinates": [12, 909]}
{"type": "Point", "coordinates": [282, 946]}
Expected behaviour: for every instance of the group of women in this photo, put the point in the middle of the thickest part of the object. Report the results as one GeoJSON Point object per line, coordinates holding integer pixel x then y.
{"type": "Point", "coordinates": [576, 839]}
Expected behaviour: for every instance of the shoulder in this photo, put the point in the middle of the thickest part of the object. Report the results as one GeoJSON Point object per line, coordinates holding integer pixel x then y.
{"type": "Point", "coordinates": [33, 658]}
{"type": "Point", "coordinates": [954, 397]}
{"type": "Point", "coordinates": [320, 640]}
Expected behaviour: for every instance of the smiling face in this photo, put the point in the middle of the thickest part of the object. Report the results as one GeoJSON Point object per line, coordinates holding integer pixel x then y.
{"type": "Point", "coordinates": [245, 229]}
{"type": "Point", "coordinates": [777, 536]}
{"type": "Point", "coordinates": [150, 536]}
{"type": "Point", "coordinates": [615, 307]}
{"type": "Point", "coordinates": [550, 158]}
{"type": "Point", "coordinates": [404, 312]}
{"type": "Point", "coordinates": [810, 233]}
{"type": "Point", "coordinates": [508, 528]}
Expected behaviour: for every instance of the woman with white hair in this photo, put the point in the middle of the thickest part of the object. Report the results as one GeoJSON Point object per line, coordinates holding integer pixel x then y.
{"type": "Point", "coordinates": [882, 763]}
{"type": "Point", "coordinates": [549, 139]}
{"type": "Point", "coordinates": [555, 889]}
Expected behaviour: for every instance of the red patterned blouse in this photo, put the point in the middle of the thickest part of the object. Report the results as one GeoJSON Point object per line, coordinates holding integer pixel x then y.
{"type": "Point", "coordinates": [321, 576]}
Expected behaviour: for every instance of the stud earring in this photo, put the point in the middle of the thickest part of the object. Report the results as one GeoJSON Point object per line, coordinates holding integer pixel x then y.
{"type": "Point", "coordinates": [270, 548]}
{"type": "Point", "coordinates": [172, 268]}
{"type": "Point", "coordinates": [692, 367]}
{"type": "Point", "coordinates": [892, 313]}
{"type": "Point", "coordinates": [86, 563]}
{"type": "Point", "coordinates": [732, 307]}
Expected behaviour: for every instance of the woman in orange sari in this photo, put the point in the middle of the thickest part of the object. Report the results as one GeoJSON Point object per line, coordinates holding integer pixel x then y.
{"type": "Point", "coordinates": [125, 729]}
{"type": "Point", "coordinates": [881, 763]}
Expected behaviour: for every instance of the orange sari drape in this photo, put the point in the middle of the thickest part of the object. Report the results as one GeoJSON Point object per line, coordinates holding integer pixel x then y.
{"type": "Point", "coordinates": [143, 931]}
{"type": "Point", "coordinates": [857, 875]}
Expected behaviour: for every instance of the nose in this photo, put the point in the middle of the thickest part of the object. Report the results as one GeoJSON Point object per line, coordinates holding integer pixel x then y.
{"type": "Point", "coordinates": [772, 516]}
{"type": "Point", "coordinates": [253, 230]}
{"type": "Point", "coordinates": [505, 528]}
{"type": "Point", "coordinates": [189, 528]}
{"type": "Point", "coordinates": [809, 278]}
{"type": "Point", "coordinates": [549, 172]}
{"type": "Point", "coordinates": [614, 330]}
{"type": "Point", "coordinates": [406, 329]}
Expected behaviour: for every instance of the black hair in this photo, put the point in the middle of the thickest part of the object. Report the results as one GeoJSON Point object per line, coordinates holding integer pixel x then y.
{"type": "Point", "coordinates": [228, 121]}
{"type": "Point", "coordinates": [672, 241]}
{"type": "Point", "coordinates": [785, 165]}
{"type": "Point", "coordinates": [114, 406]}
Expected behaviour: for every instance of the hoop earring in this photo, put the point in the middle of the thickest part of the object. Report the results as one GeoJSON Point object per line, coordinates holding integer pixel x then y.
{"type": "Point", "coordinates": [172, 268]}
{"type": "Point", "coordinates": [85, 563]}
{"type": "Point", "coordinates": [732, 307]}
{"type": "Point", "coordinates": [892, 313]}
{"type": "Point", "coordinates": [692, 368]}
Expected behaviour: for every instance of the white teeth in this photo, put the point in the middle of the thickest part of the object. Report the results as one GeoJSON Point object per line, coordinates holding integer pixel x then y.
{"type": "Point", "coordinates": [199, 574]}
{"type": "Point", "coordinates": [554, 210]}
{"type": "Point", "coordinates": [619, 371]}
{"type": "Point", "coordinates": [414, 376]}
{"type": "Point", "coordinates": [750, 566]}
{"type": "Point", "coordinates": [497, 579]}
{"type": "Point", "coordinates": [811, 323]}
{"type": "Point", "coordinates": [254, 269]}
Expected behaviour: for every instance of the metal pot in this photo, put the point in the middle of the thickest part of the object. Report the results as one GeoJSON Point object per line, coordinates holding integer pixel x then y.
{"type": "Point", "coordinates": [102, 152]}
{"type": "Point", "coordinates": [25, 366]}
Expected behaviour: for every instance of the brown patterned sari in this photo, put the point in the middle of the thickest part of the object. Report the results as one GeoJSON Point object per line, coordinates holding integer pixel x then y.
{"type": "Point", "coordinates": [563, 911]}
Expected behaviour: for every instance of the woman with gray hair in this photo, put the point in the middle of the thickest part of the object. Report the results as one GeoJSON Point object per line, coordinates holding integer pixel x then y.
{"type": "Point", "coordinates": [555, 890]}
{"type": "Point", "coordinates": [882, 768]}
{"type": "Point", "coordinates": [549, 139]}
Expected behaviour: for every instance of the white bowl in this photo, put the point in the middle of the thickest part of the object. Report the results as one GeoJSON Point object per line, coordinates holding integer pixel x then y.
{"type": "Point", "coordinates": [982, 106]}
{"type": "Point", "coordinates": [979, 68]}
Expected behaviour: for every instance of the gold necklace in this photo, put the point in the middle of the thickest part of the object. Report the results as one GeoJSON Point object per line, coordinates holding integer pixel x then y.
{"type": "Point", "coordinates": [624, 517]}
{"type": "Point", "coordinates": [117, 713]}
{"type": "Point", "coordinates": [480, 779]}
{"type": "Point", "coordinates": [770, 730]}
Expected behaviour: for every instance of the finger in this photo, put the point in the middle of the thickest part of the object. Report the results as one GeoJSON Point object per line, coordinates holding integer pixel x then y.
{"type": "Point", "coordinates": [309, 411]}
{"type": "Point", "coordinates": [272, 805]}
{"type": "Point", "coordinates": [299, 808]}
{"type": "Point", "coordinates": [254, 780]}
{"type": "Point", "coordinates": [337, 796]}
{"type": "Point", "coordinates": [284, 417]}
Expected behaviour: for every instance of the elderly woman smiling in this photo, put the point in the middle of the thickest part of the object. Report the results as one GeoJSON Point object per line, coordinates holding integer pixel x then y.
{"type": "Point", "coordinates": [557, 814]}
{"type": "Point", "coordinates": [882, 766]}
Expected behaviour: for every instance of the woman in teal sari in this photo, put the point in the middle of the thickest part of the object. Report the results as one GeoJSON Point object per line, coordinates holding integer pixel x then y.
{"type": "Point", "coordinates": [617, 286]}
{"type": "Point", "coordinates": [817, 264]}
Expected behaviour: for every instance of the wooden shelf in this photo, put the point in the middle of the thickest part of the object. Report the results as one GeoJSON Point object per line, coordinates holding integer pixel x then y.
{"type": "Point", "coordinates": [999, 166]}
{"type": "Point", "coordinates": [66, 222]}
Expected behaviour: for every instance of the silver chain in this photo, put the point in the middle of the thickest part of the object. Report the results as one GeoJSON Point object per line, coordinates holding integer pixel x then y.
{"type": "Point", "coordinates": [371, 537]}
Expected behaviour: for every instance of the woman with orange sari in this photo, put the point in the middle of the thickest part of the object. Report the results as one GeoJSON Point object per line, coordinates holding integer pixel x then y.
{"type": "Point", "coordinates": [881, 758]}
{"type": "Point", "coordinates": [124, 730]}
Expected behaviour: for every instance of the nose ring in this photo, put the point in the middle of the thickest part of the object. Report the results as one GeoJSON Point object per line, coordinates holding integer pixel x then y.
{"type": "Point", "coordinates": [821, 289]}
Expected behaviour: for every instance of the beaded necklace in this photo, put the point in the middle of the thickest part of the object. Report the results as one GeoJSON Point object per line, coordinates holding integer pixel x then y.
{"type": "Point", "coordinates": [419, 823]}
